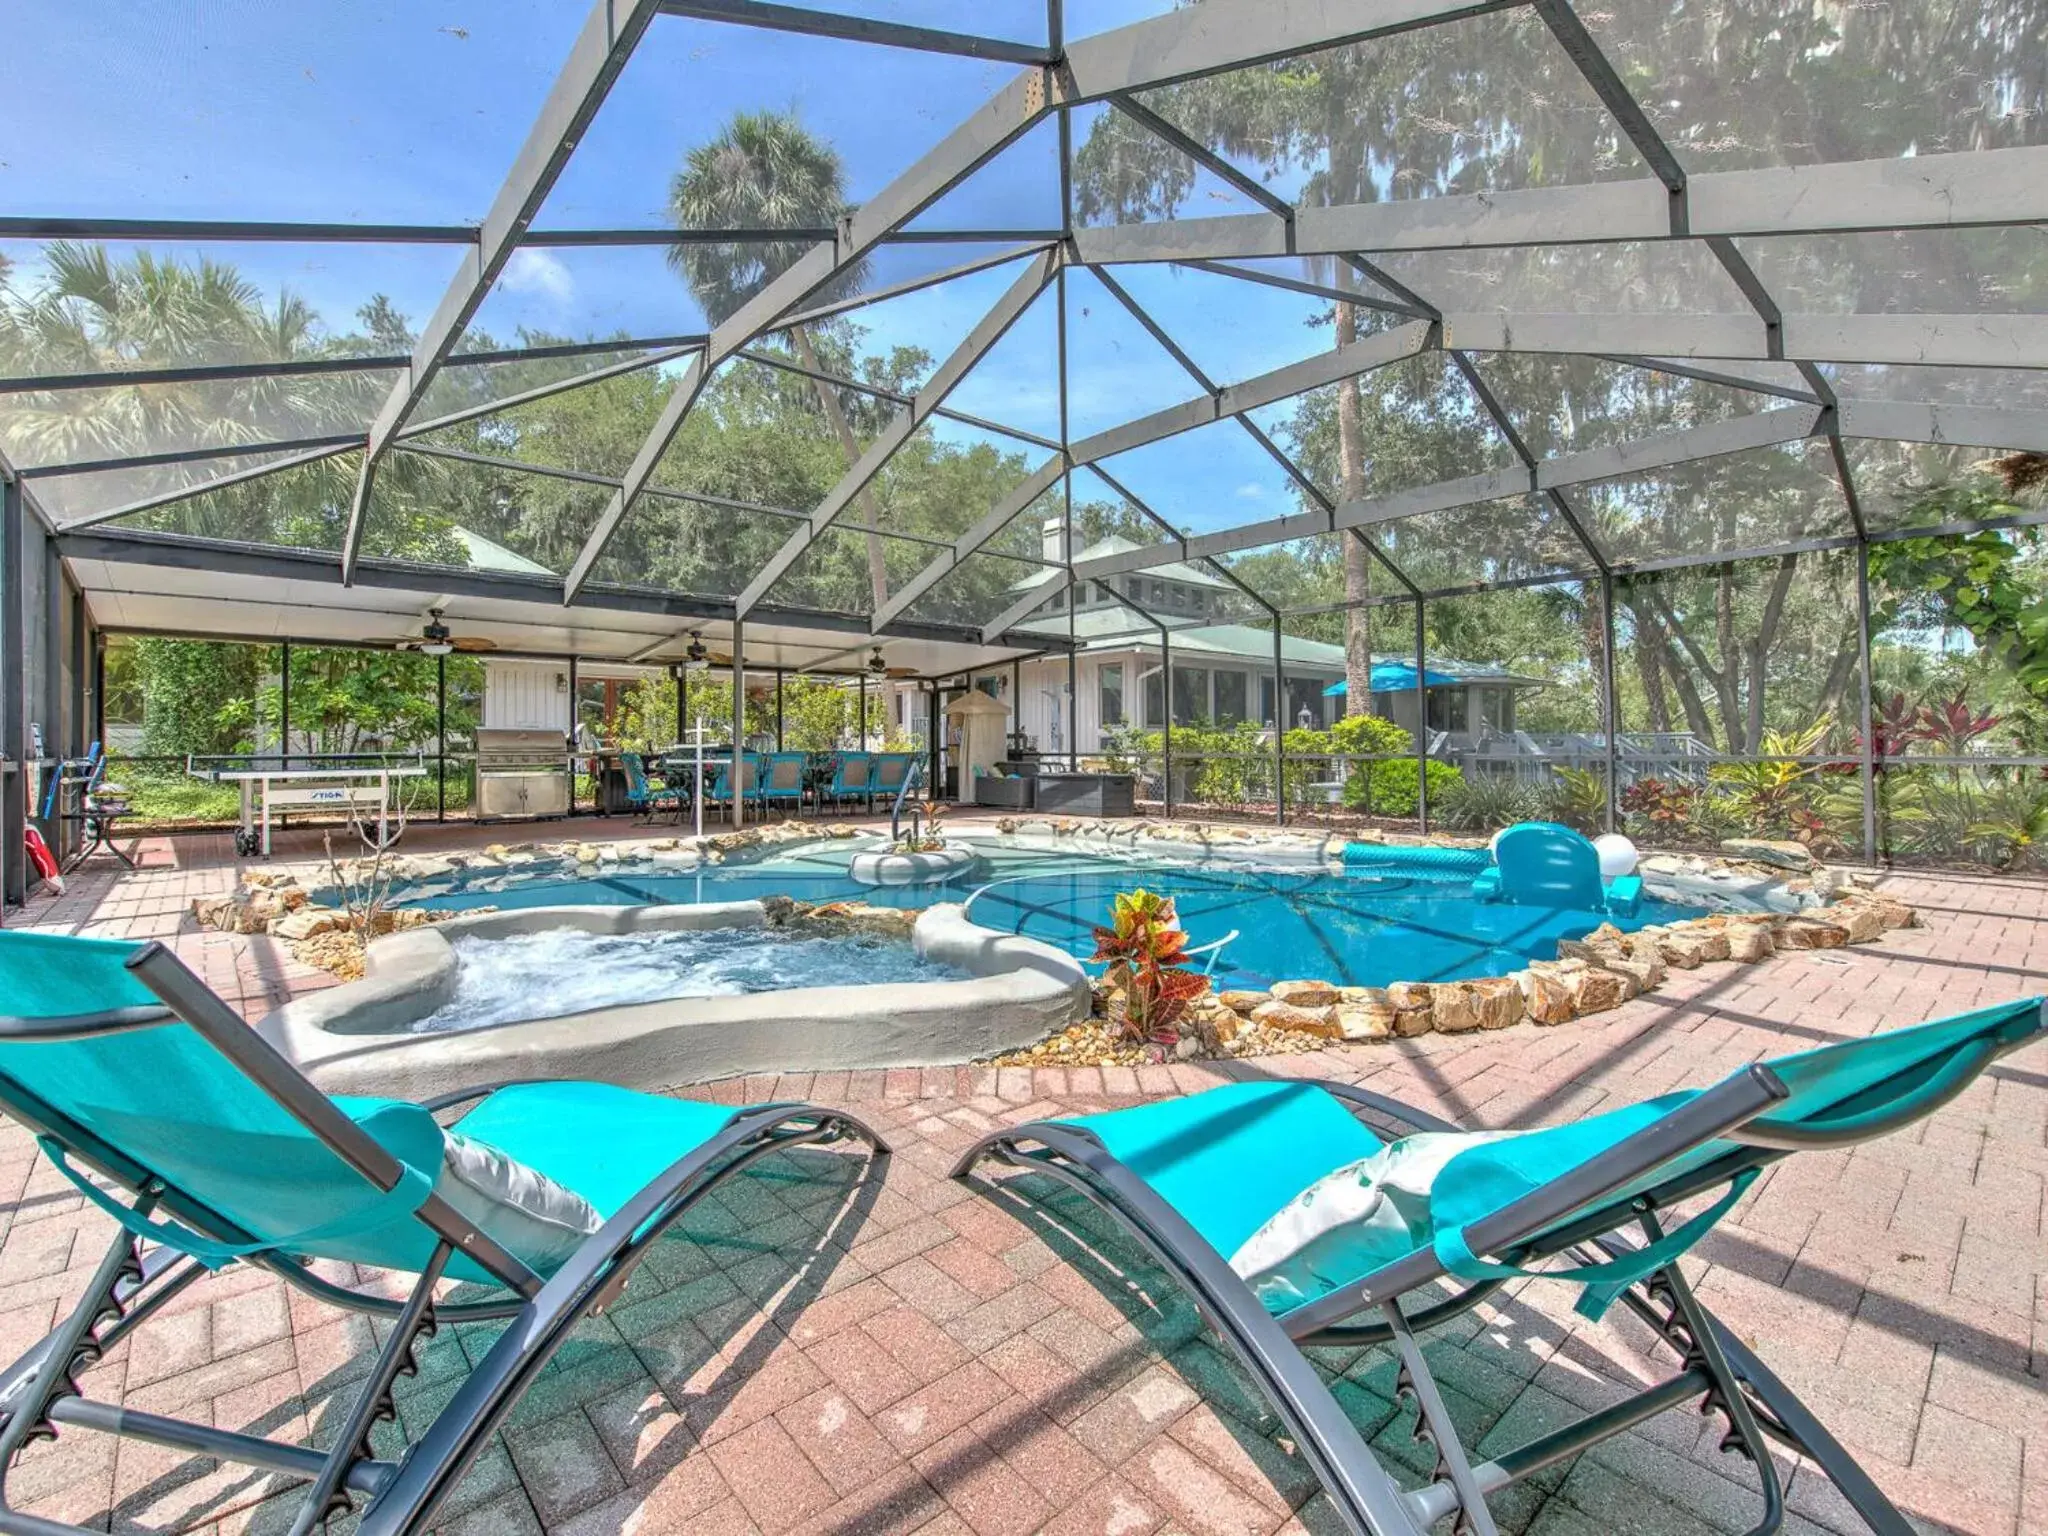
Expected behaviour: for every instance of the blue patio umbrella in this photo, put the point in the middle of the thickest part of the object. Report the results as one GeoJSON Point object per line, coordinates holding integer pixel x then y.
{"type": "Point", "coordinates": [1393, 677]}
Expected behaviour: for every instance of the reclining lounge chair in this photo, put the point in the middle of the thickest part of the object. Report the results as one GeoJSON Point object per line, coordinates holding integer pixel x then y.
{"type": "Point", "coordinates": [547, 1193]}
{"type": "Point", "coordinates": [1291, 1223]}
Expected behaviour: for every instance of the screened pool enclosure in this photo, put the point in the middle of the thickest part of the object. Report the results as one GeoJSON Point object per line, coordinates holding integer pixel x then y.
{"type": "Point", "coordinates": [1682, 367]}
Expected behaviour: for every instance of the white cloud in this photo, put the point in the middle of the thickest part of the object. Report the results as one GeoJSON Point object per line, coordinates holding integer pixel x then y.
{"type": "Point", "coordinates": [1251, 490]}
{"type": "Point", "coordinates": [539, 272]}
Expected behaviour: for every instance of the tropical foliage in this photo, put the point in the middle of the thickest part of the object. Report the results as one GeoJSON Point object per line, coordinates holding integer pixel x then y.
{"type": "Point", "coordinates": [1145, 952]}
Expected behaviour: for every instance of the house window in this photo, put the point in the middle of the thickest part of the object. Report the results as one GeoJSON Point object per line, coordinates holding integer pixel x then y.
{"type": "Point", "coordinates": [1446, 709]}
{"type": "Point", "coordinates": [1229, 697]}
{"type": "Point", "coordinates": [1266, 701]}
{"type": "Point", "coordinates": [1190, 694]}
{"type": "Point", "coordinates": [1497, 709]}
{"type": "Point", "coordinates": [1155, 699]}
{"type": "Point", "coordinates": [991, 685]}
{"type": "Point", "coordinates": [1304, 694]}
{"type": "Point", "coordinates": [1112, 684]}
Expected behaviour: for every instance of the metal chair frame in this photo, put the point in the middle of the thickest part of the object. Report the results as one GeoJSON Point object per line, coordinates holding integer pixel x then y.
{"type": "Point", "coordinates": [41, 1392]}
{"type": "Point", "coordinates": [1576, 1215]}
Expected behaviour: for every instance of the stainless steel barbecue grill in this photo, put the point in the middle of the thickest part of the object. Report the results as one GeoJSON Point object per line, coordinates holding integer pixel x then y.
{"type": "Point", "coordinates": [521, 773]}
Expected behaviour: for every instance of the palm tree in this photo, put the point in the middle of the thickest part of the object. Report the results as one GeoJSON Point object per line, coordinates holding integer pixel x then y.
{"type": "Point", "coordinates": [766, 171]}
{"type": "Point", "coordinates": [89, 312]}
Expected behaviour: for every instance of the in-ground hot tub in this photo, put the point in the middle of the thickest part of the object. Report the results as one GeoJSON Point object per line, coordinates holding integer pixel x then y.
{"type": "Point", "coordinates": [461, 1003]}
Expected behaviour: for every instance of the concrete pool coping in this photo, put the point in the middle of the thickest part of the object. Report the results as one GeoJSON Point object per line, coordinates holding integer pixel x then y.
{"type": "Point", "coordinates": [356, 1038]}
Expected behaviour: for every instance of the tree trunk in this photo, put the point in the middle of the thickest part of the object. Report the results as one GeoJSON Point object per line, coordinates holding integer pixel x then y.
{"type": "Point", "coordinates": [1593, 631]}
{"type": "Point", "coordinates": [1651, 621]}
{"type": "Point", "coordinates": [1760, 647]}
{"type": "Point", "coordinates": [1650, 669]}
{"type": "Point", "coordinates": [1357, 558]}
{"type": "Point", "coordinates": [828, 398]}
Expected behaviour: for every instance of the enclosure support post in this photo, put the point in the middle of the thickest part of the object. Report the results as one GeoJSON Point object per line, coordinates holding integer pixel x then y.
{"type": "Point", "coordinates": [860, 740]}
{"type": "Point", "coordinates": [934, 781]}
{"type": "Point", "coordinates": [1869, 747]}
{"type": "Point", "coordinates": [1073, 705]}
{"type": "Point", "coordinates": [1016, 704]}
{"type": "Point", "coordinates": [99, 689]}
{"type": "Point", "coordinates": [575, 718]}
{"type": "Point", "coordinates": [284, 704]}
{"type": "Point", "coordinates": [1166, 698]}
{"type": "Point", "coordinates": [440, 738]}
{"type": "Point", "coordinates": [736, 780]}
{"type": "Point", "coordinates": [13, 705]}
{"type": "Point", "coordinates": [682, 678]}
{"type": "Point", "coordinates": [1610, 705]}
{"type": "Point", "coordinates": [1421, 726]}
{"type": "Point", "coordinates": [1279, 727]}
{"type": "Point", "coordinates": [778, 709]}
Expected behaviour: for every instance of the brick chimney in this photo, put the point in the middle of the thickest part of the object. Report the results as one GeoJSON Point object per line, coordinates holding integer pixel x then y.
{"type": "Point", "coordinates": [1051, 537]}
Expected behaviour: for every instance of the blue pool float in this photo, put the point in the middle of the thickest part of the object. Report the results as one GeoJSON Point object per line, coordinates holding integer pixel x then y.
{"type": "Point", "coordinates": [1543, 864]}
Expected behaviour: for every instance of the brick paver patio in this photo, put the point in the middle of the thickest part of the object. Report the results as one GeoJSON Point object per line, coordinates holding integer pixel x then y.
{"type": "Point", "coordinates": [826, 1347]}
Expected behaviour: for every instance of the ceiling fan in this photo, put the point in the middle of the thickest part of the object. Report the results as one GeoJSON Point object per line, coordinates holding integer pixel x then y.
{"type": "Point", "coordinates": [877, 667]}
{"type": "Point", "coordinates": [437, 639]}
{"type": "Point", "coordinates": [700, 658]}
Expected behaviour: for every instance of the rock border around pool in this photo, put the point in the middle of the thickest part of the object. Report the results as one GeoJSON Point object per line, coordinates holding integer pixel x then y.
{"type": "Point", "coordinates": [279, 900]}
{"type": "Point", "coordinates": [357, 1038]}
{"type": "Point", "coordinates": [1591, 975]}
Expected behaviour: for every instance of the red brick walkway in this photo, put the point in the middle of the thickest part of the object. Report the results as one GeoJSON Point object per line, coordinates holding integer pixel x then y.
{"type": "Point", "coordinates": [820, 1350]}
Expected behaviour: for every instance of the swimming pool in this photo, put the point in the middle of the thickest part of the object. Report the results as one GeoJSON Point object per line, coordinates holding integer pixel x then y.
{"type": "Point", "coordinates": [1366, 925]}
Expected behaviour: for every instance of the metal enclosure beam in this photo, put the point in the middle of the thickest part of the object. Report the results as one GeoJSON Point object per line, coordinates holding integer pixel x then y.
{"type": "Point", "coordinates": [999, 517]}
{"type": "Point", "coordinates": [1017, 298]}
{"type": "Point", "coordinates": [1680, 445]}
{"type": "Point", "coordinates": [601, 49]}
{"type": "Point", "coordinates": [1965, 189]}
{"type": "Point", "coordinates": [1362, 356]}
{"type": "Point", "coordinates": [13, 693]}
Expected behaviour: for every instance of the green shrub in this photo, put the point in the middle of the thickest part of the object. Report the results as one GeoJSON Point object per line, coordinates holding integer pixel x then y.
{"type": "Point", "coordinates": [1484, 802]}
{"type": "Point", "coordinates": [1577, 797]}
{"type": "Point", "coordinates": [1388, 789]}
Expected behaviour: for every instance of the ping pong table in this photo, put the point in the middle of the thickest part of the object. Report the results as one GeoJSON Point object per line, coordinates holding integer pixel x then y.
{"type": "Point", "coordinates": [269, 788]}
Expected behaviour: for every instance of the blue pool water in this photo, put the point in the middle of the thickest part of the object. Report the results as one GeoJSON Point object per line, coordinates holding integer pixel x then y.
{"type": "Point", "coordinates": [1372, 923]}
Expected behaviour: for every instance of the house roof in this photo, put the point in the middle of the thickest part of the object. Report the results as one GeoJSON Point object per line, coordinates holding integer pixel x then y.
{"type": "Point", "coordinates": [1117, 544]}
{"type": "Point", "coordinates": [1249, 642]}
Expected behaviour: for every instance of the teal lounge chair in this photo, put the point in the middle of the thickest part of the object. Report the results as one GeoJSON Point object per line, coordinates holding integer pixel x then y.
{"type": "Point", "coordinates": [1200, 1182]}
{"type": "Point", "coordinates": [850, 777]}
{"type": "Point", "coordinates": [782, 779]}
{"type": "Point", "coordinates": [1544, 864]}
{"type": "Point", "coordinates": [218, 1151]}
{"type": "Point", "coordinates": [643, 797]}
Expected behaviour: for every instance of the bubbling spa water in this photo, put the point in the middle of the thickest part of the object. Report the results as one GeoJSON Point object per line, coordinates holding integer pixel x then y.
{"type": "Point", "coordinates": [562, 970]}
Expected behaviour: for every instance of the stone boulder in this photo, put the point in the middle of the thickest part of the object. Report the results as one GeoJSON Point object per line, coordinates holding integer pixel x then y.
{"type": "Point", "coordinates": [1859, 920]}
{"type": "Point", "coordinates": [1590, 988]}
{"type": "Point", "coordinates": [1366, 1016]}
{"type": "Point", "coordinates": [1682, 948]}
{"type": "Point", "coordinates": [1812, 933]}
{"type": "Point", "coordinates": [1545, 997]}
{"type": "Point", "coordinates": [1750, 942]}
{"type": "Point", "coordinates": [1499, 1001]}
{"type": "Point", "coordinates": [1308, 1021]}
{"type": "Point", "coordinates": [1710, 933]}
{"type": "Point", "coordinates": [1893, 912]}
{"type": "Point", "coordinates": [1454, 1008]}
{"type": "Point", "coordinates": [1762, 850]}
{"type": "Point", "coordinates": [308, 921]}
{"type": "Point", "coordinates": [1242, 1001]}
{"type": "Point", "coordinates": [1305, 994]}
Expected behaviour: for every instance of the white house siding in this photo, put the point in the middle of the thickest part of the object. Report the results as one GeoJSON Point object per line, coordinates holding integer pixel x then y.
{"type": "Point", "coordinates": [526, 696]}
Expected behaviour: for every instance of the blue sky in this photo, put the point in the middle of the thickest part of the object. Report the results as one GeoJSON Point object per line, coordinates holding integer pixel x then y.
{"type": "Point", "coordinates": [411, 113]}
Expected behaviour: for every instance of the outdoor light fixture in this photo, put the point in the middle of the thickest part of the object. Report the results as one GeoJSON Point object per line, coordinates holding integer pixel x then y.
{"type": "Point", "coordinates": [875, 663]}
{"type": "Point", "coordinates": [436, 639]}
{"type": "Point", "coordinates": [696, 659]}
